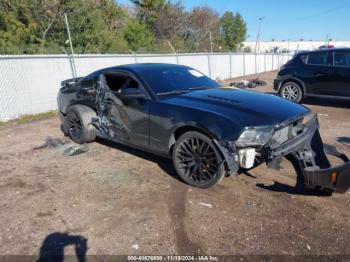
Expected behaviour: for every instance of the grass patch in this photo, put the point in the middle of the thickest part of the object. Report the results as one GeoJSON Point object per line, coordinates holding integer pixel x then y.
{"type": "Point", "coordinates": [28, 118]}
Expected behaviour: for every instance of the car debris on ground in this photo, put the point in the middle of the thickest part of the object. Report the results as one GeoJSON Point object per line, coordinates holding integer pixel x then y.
{"type": "Point", "coordinates": [51, 142]}
{"type": "Point", "coordinates": [76, 150]}
{"type": "Point", "coordinates": [73, 150]}
{"type": "Point", "coordinates": [206, 205]}
{"type": "Point", "coordinates": [251, 83]}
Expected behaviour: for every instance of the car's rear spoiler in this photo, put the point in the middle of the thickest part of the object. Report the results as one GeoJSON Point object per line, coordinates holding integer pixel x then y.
{"type": "Point", "coordinates": [69, 82]}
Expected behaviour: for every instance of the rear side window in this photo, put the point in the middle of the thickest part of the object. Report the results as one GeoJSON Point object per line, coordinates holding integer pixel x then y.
{"type": "Point", "coordinates": [341, 59]}
{"type": "Point", "coordinates": [317, 59]}
{"type": "Point", "coordinates": [303, 58]}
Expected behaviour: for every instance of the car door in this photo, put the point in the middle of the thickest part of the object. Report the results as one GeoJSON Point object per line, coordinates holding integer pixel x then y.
{"type": "Point", "coordinates": [341, 73]}
{"type": "Point", "coordinates": [316, 73]}
{"type": "Point", "coordinates": [123, 109]}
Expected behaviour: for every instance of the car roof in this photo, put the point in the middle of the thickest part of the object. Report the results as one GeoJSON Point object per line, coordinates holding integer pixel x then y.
{"type": "Point", "coordinates": [134, 68]}
{"type": "Point", "coordinates": [323, 50]}
{"type": "Point", "coordinates": [143, 66]}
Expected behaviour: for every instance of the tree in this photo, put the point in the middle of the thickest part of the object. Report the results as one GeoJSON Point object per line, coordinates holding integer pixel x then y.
{"type": "Point", "coordinates": [201, 21]}
{"type": "Point", "coordinates": [137, 36]}
{"type": "Point", "coordinates": [38, 26]}
{"type": "Point", "coordinates": [148, 10]}
{"type": "Point", "coordinates": [233, 31]}
{"type": "Point", "coordinates": [17, 27]}
{"type": "Point", "coordinates": [103, 26]}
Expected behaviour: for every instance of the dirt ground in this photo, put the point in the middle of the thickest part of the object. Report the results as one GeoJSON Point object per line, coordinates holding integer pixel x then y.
{"type": "Point", "coordinates": [116, 200]}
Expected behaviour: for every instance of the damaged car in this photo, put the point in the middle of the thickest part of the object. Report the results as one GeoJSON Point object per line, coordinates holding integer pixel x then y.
{"type": "Point", "coordinates": [209, 131]}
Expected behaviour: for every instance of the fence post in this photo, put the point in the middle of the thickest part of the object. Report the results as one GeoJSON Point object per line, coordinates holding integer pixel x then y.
{"type": "Point", "coordinates": [264, 62]}
{"type": "Point", "coordinates": [272, 68]}
{"type": "Point", "coordinates": [177, 58]}
{"type": "Point", "coordinates": [243, 63]}
{"type": "Point", "coordinates": [256, 66]}
{"type": "Point", "coordinates": [279, 60]}
{"type": "Point", "coordinates": [230, 54]}
{"type": "Point", "coordinates": [70, 63]}
{"type": "Point", "coordinates": [209, 64]}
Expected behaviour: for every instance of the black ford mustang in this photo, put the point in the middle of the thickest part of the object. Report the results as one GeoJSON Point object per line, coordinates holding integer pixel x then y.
{"type": "Point", "coordinates": [208, 131]}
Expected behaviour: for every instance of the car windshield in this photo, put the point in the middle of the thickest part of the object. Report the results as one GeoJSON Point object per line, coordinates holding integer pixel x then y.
{"type": "Point", "coordinates": [175, 80]}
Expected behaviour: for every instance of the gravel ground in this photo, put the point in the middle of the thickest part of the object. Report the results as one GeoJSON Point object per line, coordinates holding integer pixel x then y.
{"type": "Point", "coordinates": [115, 200]}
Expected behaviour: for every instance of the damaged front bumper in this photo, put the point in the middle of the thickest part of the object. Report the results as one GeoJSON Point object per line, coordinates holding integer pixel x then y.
{"type": "Point", "coordinates": [310, 152]}
{"type": "Point", "coordinates": [304, 143]}
{"type": "Point", "coordinates": [335, 178]}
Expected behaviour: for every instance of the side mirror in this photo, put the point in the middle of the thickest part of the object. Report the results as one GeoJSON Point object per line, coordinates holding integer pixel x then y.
{"type": "Point", "coordinates": [133, 92]}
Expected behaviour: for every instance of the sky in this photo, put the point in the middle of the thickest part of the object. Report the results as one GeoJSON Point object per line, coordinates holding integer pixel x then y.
{"type": "Point", "coordinates": [286, 19]}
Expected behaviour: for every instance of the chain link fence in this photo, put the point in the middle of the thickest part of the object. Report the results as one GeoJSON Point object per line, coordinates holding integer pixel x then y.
{"type": "Point", "coordinates": [29, 83]}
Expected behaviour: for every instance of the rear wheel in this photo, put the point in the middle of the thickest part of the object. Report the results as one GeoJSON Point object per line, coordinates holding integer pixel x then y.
{"type": "Point", "coordinates": [79, 124]}
{"type": "Point", "coordinates": [197, 160]}
{"type": "Point", "coordinates": [291, 91]}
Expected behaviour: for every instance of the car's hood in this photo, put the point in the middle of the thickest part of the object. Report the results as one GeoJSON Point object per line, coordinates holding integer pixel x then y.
{"type": "Point", "coordinates": [248, 108]}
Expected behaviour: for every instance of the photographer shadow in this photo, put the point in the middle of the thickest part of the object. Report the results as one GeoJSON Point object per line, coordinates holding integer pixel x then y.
{"type": "Point", "coordinates": [52, 248]}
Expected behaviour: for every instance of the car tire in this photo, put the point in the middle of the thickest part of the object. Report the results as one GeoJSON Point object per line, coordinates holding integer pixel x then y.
{"type": "Point", "coordinates": [291, 91]}
{"type": "Point", "coordinates": [197, 160]}
{"type": "Point", "coordinates": [78, 123]}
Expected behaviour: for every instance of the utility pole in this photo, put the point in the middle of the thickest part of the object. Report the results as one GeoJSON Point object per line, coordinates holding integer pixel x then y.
{"type": "Point", "coordinates": [211, 42]}
{"type": "Point", "coordinates": [174, 51]}
{"type": "Point", "coordinates": [327, 40]}
{"type": "Point", "coordinates": [258, 36]}
{"type": "Point", "coordinates": [71, 47]}
{"type": "Point", "coordinates": [257, 45]}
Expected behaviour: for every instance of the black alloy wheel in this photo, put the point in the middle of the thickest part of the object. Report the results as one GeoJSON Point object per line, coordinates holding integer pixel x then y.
{"type": "Point", "coordinates": [75, 128]}
{"type": "Point", "coordinates": [197, 160]}
{"type": "Point", "coordinates": [78, 123]}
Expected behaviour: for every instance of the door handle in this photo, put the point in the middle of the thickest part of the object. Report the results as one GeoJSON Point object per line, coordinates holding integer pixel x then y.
{"type": "Point", "coordinates": [320, 74]}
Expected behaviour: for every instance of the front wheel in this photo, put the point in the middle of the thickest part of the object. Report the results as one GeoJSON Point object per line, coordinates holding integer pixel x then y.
{"type": "Point", "coordinates": [291, 91]}
{"type": "Point", "coordinates": [197, 160]}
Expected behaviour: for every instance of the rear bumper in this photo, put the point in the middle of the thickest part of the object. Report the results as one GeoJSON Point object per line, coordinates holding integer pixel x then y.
{"type": "Point", "coordinates": [310, 152]}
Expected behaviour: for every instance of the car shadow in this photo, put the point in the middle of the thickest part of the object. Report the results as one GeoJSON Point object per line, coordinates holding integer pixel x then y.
{"type": "Point", "coordinates": [318, 101]}
{"type": "Point", "coordinates": [329, 102]}
{"type": "Point", "coordinates": [299, 188]}
{"type": "Point", "coordinates": [165, 164]}
{"type": "Point", "coordinates": [52, 248]}
{"type": "Point", "coordinates": [344, 140]}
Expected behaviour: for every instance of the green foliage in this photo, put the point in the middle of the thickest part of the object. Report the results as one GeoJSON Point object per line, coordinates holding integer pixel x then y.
{"type": "Point", "coordinates": [103, 26]}
{"type": "Point", "coordinates": [149, 10]}
{"type": "Point", "coordinates": [137, 35]}
{"type": "Point", "coordinates": [247, 49]}
{"type": "Point", "coordinates": [233, 31]}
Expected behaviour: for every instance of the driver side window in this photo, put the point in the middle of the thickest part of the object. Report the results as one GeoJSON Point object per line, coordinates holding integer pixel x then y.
{"type": "Point", "coordinates": [118, 82]}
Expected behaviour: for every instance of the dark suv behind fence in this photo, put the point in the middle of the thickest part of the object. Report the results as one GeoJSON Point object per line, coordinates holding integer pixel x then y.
{"type": "Point", "coordinates": [322, 73]}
